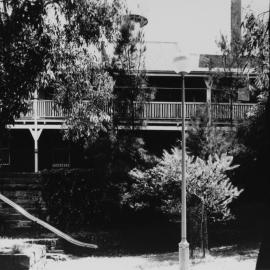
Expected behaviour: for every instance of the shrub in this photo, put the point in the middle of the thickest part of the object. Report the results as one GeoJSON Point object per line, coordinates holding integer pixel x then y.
{"type": "Point", "coordinates": [208, 187]}
{"type": "Point", "coordinates": [76, 198]}
{"type": "Point", "coordinates": [160, 186]}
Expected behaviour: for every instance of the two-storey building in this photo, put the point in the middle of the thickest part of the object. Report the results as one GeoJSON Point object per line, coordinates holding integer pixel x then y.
{"type": "Point", "coordinates": [35, 140]}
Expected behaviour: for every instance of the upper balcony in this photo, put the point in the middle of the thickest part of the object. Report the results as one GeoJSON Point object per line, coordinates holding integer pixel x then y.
{"type": "Point", "coordinates": [152, 115]}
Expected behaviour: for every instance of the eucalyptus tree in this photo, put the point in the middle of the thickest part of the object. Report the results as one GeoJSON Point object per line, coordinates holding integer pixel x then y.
{"type": "Point", "coordinates": [40, 41]}
{"type": "Point", "coordinates": [128, 67]}
{"type": "Point", "coordinates": [256, 132]}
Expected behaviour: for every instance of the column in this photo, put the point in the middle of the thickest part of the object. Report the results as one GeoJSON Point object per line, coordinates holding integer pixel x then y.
{"type": "Point", "coordinates": [35, 134]}
{"type": "Point", "coordinates": [209, 83]}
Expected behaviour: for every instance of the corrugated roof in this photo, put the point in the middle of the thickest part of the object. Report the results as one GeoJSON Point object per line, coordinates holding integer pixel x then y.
{"type": "Point", "coordinates": [159, 57]}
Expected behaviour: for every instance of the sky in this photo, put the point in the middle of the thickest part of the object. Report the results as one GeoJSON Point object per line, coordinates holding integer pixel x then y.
{"type": "Point", "coordinates": [195, 24]}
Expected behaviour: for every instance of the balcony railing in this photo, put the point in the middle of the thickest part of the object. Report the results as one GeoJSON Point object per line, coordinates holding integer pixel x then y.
{"type": "Point", "coordinates": [151, 111]}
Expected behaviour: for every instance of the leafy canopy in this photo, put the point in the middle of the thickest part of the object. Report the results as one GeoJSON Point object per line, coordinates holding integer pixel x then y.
{"type": "Point", "coordinates": [207, 182]}
{"type": "Point", "coordinates": [37, 39]}
{"type": "Point", "coordinates": [255, 131]}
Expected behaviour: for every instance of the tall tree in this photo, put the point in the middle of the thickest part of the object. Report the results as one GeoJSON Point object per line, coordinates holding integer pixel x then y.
{"type": "Point", "coordinates": [87, 82]}
{"type": "Point", "coordinates": [121, 84]}
{"type": "Point", "coordinates": [256, 131]}
{"type": "Point", "coordinates": [231, 72]}
{"type": "Point", "coordinates": [256, 38]}
{"type": "Point", "coordinates": [128, 67]}
{"type": "Point", "coordinates": [82, 88]}
{"type": "Point", "coordinates": [27, 40]}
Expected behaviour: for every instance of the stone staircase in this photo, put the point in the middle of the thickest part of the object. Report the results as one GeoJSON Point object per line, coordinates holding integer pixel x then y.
{"type": "Point", "coordinates": [53, 246]}
{"type": "Point", "coordinates": [25, 190]}
{"type": "Point", "coordinates": [29, 253]}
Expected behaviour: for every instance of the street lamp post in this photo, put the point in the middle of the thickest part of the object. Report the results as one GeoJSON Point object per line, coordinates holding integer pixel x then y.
{"type": "Point", "coordinates": [182, 65]}
{"type": "Point", "coordinates": [183, 245]}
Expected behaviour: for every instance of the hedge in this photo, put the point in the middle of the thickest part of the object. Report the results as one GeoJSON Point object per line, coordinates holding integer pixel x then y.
{"type": "Point", "coordinates": [77, 198]}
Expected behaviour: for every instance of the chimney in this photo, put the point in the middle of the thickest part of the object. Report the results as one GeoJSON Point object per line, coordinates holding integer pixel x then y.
{"type": "Point", "coordinates": [235, 20]}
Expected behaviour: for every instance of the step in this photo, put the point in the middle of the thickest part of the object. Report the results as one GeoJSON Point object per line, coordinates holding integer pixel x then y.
{"type": "Point", "coordinates": [22, 180]}
{"type": "Point", "coordinates": [25, 190]}
{"type": "Point", "coordinates": [19, 175]}
{"type": "Point", "coordinates": [61, 256]}
{"type": "Point", "coordinates": [19, 186]}
{"type": "Point", "coordinates": [50, 243]}
{"type": "Point", "coordinates": [35, 211]}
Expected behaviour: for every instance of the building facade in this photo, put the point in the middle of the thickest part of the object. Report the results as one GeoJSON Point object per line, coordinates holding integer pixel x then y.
{"type": "Point", "coordinates": [35, 142]}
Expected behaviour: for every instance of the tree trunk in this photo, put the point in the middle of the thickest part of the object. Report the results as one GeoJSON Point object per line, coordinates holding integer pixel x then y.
{"type": "Point", "coordinates": [206, 242]}
{"type": "Point", "coordinates": [191, 233]}
{"type": "Point", "coordinates": [202, 231]}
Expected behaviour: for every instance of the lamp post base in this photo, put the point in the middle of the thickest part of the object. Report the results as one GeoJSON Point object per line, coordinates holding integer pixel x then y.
{"type": "Point", "coordinates": [184, 255]}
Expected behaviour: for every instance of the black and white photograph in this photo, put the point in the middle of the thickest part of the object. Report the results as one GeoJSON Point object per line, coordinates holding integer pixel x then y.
{"type": "Point", "coordinates": [134, 135]}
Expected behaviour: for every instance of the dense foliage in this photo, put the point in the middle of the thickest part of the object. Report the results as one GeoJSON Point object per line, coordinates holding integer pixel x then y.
{"type": "Point", "coordinates": [247, 61]}
{"type": "Point", "coordinates": [44, 41]}
{"type": "Point", "coordinates": [82, 88]}
{"type": "Point", "coordinates": [24, 48]}
{"type": "Point", "coordinates": [60, 49]}
{"type": "Point", "coordinates": [113, 158]}
{"type": "Point", "coordinates": [98, 87]}
{"type": "Point", "coordinates": [256, 130]}
{"type": "Point", "coordinates": [160, 186]}
{"type": "Point", "coordinates": [209, 191]}
{"type": "Point", "coordinates": [256, 40]}
{"type": "Point", "coordinates": [77, 199]}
